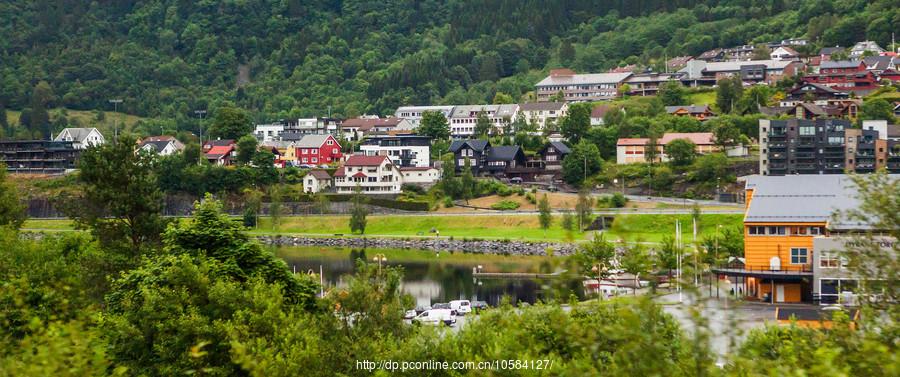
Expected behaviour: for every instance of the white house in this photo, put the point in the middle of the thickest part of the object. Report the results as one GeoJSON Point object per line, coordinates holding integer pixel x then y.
{"type": "Point", "coordinates": [420, 175]}
{"type": "Point", "coordinates": [81, 138]}
{"type": "Point", "coordinates": [372, 174]}
{"type": "Point", "coordinates": [268, 132]}
{"type": "Point", "coordinates": [784, 53]}
{"type": "Point", "coordinates": [316, 181]}
{"type": "Point", "coordinates": [357, 128]}
{"type": "Point", "coordinates": [543, 113]}
{"type": "Point", "coordinates": [161, 145]}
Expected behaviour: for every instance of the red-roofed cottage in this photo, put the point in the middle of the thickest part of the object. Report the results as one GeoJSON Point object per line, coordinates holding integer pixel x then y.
{"type": "Point", "coordinates": [372, 174]}
{"type": "Point", "coordinates": [219, 152]}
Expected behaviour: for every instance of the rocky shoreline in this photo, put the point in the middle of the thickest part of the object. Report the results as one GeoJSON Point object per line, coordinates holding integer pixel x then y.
{"type": "Point", "coordinates": [435, 244]}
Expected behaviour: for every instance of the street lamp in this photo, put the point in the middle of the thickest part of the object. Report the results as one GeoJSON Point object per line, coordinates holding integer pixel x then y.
{"type": "Point", "coordinates": [200, 114]}
{"type": "Point", "coordinates": [380, 258]}
{"type": "Point", "coordinates": [116, 103]}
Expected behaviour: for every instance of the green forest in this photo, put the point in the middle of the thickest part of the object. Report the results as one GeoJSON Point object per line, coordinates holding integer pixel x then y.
{"type": "Point", "coordinates": [293, 58]}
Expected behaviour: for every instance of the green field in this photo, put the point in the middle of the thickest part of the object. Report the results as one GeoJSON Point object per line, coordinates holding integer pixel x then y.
{"type": "Point", "coordinates": [85, 118]}
{"type": "Point", "coordinates": [653, 228]}
{"type": "Point", "coordinates": [628, 227]}
{"type": "Point", "coordinates": [702, 98]}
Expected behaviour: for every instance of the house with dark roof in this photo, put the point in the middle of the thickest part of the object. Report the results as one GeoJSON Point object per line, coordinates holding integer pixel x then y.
{"type": "Point", "coordinates": [357, 128]}
{"type": "Point", "coordinates": [81, 138]}
{"type": "Point", "coordinates": [475, 151]}
{"type": "Point", "coordinates": [316, 180]}
{"type": "Point", "coordinates": [39, 156]}
{"type": "Point", "coordinates": [503, 159]}
{"type": "Point", "coordinates": [678, 62]}
{"type": "Point", "coordinates": [810, 92]}
{"type": "Point", "coordinates": [553, 153]}
{"type": "Point", "coordinates": [371, 174]}
{"type": "Point", "coordinates": [162, 145]}
{"type": "Point", "coordinates": [701, 113]}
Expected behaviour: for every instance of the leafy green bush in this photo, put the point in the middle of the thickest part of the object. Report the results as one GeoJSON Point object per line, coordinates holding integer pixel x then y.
{"type": "Point", "coordinates": [448, 202]}
{"type": "Point", "coordinates": [618, 200]}
{"type": "Point", "coordinates": [505, 205]}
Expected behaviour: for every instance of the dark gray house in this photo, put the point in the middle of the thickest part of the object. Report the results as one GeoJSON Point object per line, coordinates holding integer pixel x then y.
{"type": "Point", "coordinates": [503, 159]}
{"type": "Point", "coordinates": [474, 150]}
{"type": "Point", "coordinates": [553, 153]}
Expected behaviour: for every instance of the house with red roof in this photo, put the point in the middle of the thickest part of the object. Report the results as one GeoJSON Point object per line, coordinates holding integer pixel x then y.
{"type": "Point", "coordinates": [220, 152]}
{"type": "Point", "coordinates": [317, 150]}
{"type": "Point", "coordinates": [372, 174]}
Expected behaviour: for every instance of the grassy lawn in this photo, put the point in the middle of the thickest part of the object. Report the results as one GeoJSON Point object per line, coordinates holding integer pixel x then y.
{"type": "Point", "coordinates": [630, 227]}
{"type": "Point", "coordinates": [48, 225]}
{"type": "Point", "coordinates": [653, 228]}
{"type": "Point", "coordinates": [703, 98]}
{"type": "Point", "coordinates": [86, 118]}
{"type": "Point", "coordinates": [513, 227]}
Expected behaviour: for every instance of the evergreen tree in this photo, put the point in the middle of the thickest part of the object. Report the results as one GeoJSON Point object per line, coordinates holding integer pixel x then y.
{"type": "Point", "coordinates": [577, 122]}
{"type": "Point", "coordinates": [230, 123]}
{"type": "Point", "coordinates": [358, 212]}
{"type": "Point", "coordinates": [728, 93]}
{"type": "Point", "coordinates": [246, 149]}
{"type": "Point", "coordinates": [39, 119]}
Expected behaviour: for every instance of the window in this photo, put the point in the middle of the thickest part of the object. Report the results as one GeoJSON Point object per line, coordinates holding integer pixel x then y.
{"type": "Point", "coordinates": [757, 230]}
{"type": "Point", "coordinates": [799, 255]}
{"type": "Point", "coordinates": [816, 230]}
{"type": "Point", "coordinates": [776, 230]}
{"type": "Point", "coordinates": [315, 160]}
{"type": "Point", "coordinates": [806, 131]}
{"type": "Point", "coordinates": [828, 260]}
{"type": "Point", "coordinates": [329, 142]}
{"type": "Point", "coordinates": [314, 151]}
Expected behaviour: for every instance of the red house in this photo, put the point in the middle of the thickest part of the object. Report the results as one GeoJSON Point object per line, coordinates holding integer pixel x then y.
{"type": "Point", "coordinates": [842, 66]}
{"type": "Point", "coordinates": [318, 150]}
{"type": "Point", "coordinates": [219, 152]}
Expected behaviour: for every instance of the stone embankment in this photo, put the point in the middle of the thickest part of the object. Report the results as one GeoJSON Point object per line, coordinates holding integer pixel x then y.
{"type": "Point", "coordinates": [434, 244]}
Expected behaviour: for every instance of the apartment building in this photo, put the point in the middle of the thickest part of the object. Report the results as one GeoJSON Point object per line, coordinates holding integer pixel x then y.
{"type": "Point", "coordinates": [542, 114]}
{"type": "Point", "coordinates": [580, 87]}
{"type": "Point", "coordinates": [825, 146]}
{"type": "Point", "coordinates": [39, 156]}
{"type": "Point", "coordinates": [404, 150]}
{"type": "Point", "coordinates": [463, 118]}
{"type": "Point", "coordinates": [414, 113]}
{"type": "Point", "coordinates": [703, 73]}
{"type": "Point", "coordinates": [791, 229]}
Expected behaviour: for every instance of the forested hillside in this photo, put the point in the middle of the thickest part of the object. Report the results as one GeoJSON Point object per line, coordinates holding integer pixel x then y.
{"type": "Point", "coordinates": [292, 58]}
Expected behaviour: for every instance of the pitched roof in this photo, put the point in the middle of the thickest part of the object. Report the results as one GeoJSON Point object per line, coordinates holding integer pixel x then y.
{"type": "Point", "coordinates": [625, 141]}
{"type": "Point", "coordinates": [159, 138]}
{"type": "Point", "coordinates": [157, 145]}
{"type": "Point", "coordinates": [692, 109]}
{"type": "Point", "coordinates": [840, 64]}
{"type": "Point", "coordinates": [218, 143]}
{"type": "Point", "coordinates": [736, 66]}
{"type": "Point", "coordinates": [504, 153]}
{"type": "Point", "coordinates": [363, 160]}
{"type": "Point", "coordinates": [830, 50]}
{"type": "Point", "coordinates": [820, 87]}
{"type": "Point", "coordinates": [319, 174]}
{"type": "Point", "coordinates": [78, 134]}
{"type": "Point", "coordinates": [804, 198]}
{"type": "Point", "coordinates": [359, 174]}
{"type": "Point", "coordinates": [599, 111]}
{"type": "Point", "coordinates": [698, 138]}
{"type": "Point", "coordinates": [312, 141]}
{"type": "Point", "coordinates": [368, 123]}
{"type": "Point", "coordinates": [560, 146]}
{"type": "Point", "coordinates": [710, 54]}
{"type": "Point", "coordinates": [478, 145]}
{"type": "Point", "coordinates": [774, 110]}
{"type": "Point", "coordinates": [281, 144]}
{"type": "Point", "coordinates": [500, 111]}
{"type": "Point", "coordinates": [678, 61]}
{"type": "Point", "coordinates": [813, 108]}
{"type": "Point", "coordinates": [589, 78]}
{"type": "Point", "coordinates": [880, 63]}
{"type": "Point", "coordinates": [417, 168]}
{"type": "Point", "coordinates": [219, 151]}
{"type": "Point", "coordinates": [541, 106]}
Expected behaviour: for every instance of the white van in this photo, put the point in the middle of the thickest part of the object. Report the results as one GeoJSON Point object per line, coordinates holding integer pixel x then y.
{"type": "Point", "coordinates": [462, 307]}
{"type": "Point", "coordinates": [436, 317]}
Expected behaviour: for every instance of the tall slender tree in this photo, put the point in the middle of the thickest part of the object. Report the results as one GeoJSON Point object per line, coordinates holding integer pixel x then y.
{"type": "Point", "coordinates": [545, 217]}
{"type": "Point", "coordinates": [358, 212]}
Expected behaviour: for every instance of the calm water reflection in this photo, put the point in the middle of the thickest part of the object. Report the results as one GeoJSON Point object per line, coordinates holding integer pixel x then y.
{"type": "Point", "coordinates": [440, 277]}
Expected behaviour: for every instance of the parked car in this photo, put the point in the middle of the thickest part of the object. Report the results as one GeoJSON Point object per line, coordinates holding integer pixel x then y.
{"type": "Point", "coordinates": [410, 314]}
{"type": "Point", "coordinates": [443, 305]}
{"type": "Point", "coordinates": [462, 307]}
{"type": "Point", "coordinates": [515, 180]}
{"type": "Point", "coordinates": [420, 309]}
{"type": "Point", "coordinates": [479, 305]}
{"type": "Point", "coordinates": [436, 317]}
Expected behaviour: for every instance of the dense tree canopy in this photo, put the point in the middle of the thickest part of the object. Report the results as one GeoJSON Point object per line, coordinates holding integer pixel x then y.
{"type": "Point", "coordinates": [280, 59]}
